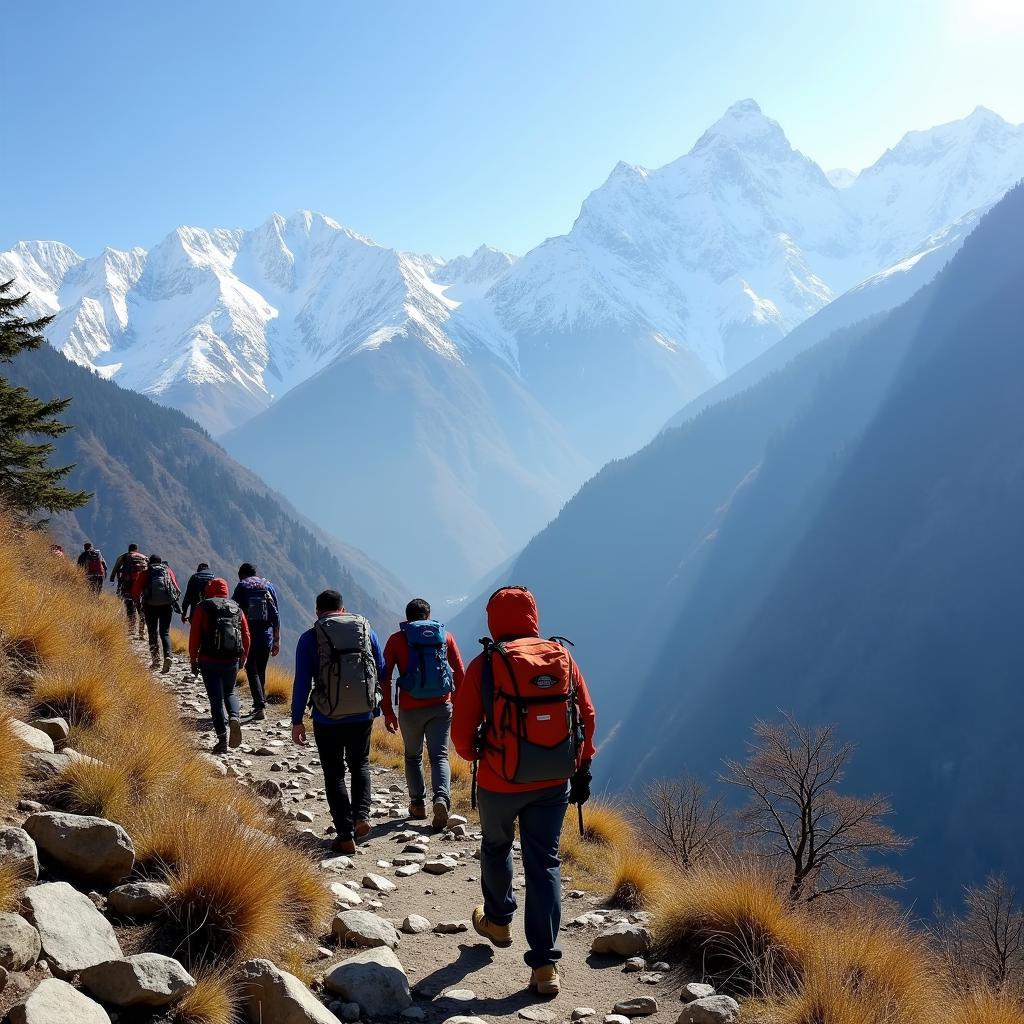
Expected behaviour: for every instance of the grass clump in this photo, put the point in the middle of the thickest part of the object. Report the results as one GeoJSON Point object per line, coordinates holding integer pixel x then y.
{"type": "Point", "coordinates": [634, 878]}
{"type": "Point", "coordinates": [212, 1001]}
{"type": "Point", "coordinates": [278, 686]}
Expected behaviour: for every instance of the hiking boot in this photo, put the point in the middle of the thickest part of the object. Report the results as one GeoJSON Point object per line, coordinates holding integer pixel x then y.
{"type": "Point", "coordinates": [167, 664]}
{"type": "Point", "coordinates": [440, 815]}
{"type": "Point", "coordinates": [258, 715]}
{"type": "Point", "coordinates": [499, 935]}
{"type": "Point", "coordinates": [544, 980]}
{"type": "Point", "coordinates": [418, 810]}
{"type": "Point", "coordinates": [362, 828]}
{"type": "Point", "coordinates": [234, 732]}
{"type": "Point", "coordinates": [221, 746]}
{"type": "Point", "coordinates": [154, 661]}
{"type": "Point", "coordinates": [345, 846]}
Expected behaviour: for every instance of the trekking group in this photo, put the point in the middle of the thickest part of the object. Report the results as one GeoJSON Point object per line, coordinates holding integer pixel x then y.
{"type": "Point", "coordinates": [520, 712]}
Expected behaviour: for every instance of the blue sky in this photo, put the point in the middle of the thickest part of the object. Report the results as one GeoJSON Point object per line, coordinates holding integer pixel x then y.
{"type": "Point", "coordinates": [435, 127]}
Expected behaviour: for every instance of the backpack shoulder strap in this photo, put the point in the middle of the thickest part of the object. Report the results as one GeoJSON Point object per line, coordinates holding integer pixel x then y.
{"type": "Point", "coordinates": [487, 681]}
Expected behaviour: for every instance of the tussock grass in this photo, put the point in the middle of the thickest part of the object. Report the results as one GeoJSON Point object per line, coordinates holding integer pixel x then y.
{"type": "Point", "coordinates": [984, 1008]}
{"type": "Point", "coordinates": [179, 640]}
{"type": "Point", "coordinates": [607, 836]}
{"type": "Point", "coordinates": [11, 752]}
{"type": "Point", "coordinates": [212, 1001]}
{"type": "Point", "coordinates": [278, 688]}
{"type": "Point", "coordinates": [11, 884]}
{"type": "Point", "coordinates": [634, 878]}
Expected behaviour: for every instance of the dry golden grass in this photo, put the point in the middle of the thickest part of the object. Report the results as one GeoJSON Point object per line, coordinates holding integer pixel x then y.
{"type": "Point", "coordinates": [11, 884]}
{"type": "Point", "coordinates": [212, 1001]}
{"type": "Point", "coordinates": [278, 688]}
{"type": "Point", "coordinates": [179, 640]}
{"type": "Point", "coordinates": [11, 752]}
{"type": "Point", "coordinates": [634, 877]}
{"type": "Point", "coordinates": [606, 834]}
{"type": "Point", "coordinates": [983, 1008]}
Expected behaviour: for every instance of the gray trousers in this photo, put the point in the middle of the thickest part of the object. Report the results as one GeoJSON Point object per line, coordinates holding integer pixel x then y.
{"type": "Point", "coordinates": [430, 724]}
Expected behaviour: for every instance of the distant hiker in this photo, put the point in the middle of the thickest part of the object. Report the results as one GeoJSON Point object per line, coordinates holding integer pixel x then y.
{"type": "Point", "coordinates": [129, 565]}
{"type": "Point", "coordinates": [258, 600]}
{"type": "Point", "coordinates": [57, 550]}
{"type": "Point", "coordinates": [429, 672]}
{"type": "Point", "coordinates": [525, 715]}
{"type": "Point", "coordinates": [194, 589]}
{"type": "Point", "coordinates": [218, 643]}
{"type": "Point", "coordinates": [339, 662]}
{"type": "Point", "coordinates": [91, 560]}
{"type": "Point", "coordinates": [158, 591]}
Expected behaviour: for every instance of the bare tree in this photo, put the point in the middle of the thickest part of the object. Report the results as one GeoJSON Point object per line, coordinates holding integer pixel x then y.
{"type": "Point", "coordinates": [795, 814]}
{"type": "Point", "coordinates": [676, 818]}
{"type": "Point", "coordinates": [985, 947]}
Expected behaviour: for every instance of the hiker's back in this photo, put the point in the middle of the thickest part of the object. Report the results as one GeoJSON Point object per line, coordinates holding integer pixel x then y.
{"type": "Point", "coordinates": [346, 682]}
{"type": "Point", "coordinates": [221, 638]}
{"type": "Point", "coordinates": [428, 673]}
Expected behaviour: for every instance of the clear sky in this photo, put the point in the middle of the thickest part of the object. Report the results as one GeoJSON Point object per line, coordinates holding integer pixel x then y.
{"type": "Point", "coordinates": [437, 126]}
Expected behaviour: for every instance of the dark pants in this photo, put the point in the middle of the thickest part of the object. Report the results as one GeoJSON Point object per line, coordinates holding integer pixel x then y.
{"type": "Point", "coordinates": [256, 668]}
{"type": "Point", "coordinates": [131, 610]}
{"type": "Point", "coordinates": [540, 815]}
{"type": "Point", "coordinates": [345, 746]}
{"type": "Point", "coordinates": [220, 688]}
{"type": "Point", "coordinates": [96, 584]}
{"type": "Point", "coordinates": [158, 625]}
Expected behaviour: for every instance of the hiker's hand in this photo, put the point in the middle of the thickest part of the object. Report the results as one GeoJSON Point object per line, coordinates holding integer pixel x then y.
{"type": "Point", "coordinates": [579, 784]}
{"type": "Point", "coordinates": [275, 648]}
{"type": "Point", "coordinates": [299, 734]}
{"type": "Point", "coordinates": [391, 721]}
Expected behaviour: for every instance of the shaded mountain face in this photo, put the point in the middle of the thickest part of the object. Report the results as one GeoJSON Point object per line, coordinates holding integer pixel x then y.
{"type": "Point", "coordinates": [161, 482]}
{"type": "Point", "coordinates": [841, 540]}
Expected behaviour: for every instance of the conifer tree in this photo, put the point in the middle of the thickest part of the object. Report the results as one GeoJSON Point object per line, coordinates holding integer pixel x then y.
{"type": "Point", "coordinates": [28, 483]}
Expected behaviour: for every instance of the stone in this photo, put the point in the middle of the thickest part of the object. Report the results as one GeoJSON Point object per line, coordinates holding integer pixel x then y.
{"type": "Point", "coordinates": [344, 895]}
{"type": "Point", "coordinates": [373, 978]}
{"type": "Point", "coordinates": [590, 919]}
{"type": "Point", "coordinates": [361, 928]}
{"type": "Point", "coordinates": [304, 816]}
{"type": "Point", "coordinates": [414, 924]}
{"type": "Point", "coordinates": [582, 1013]}
{"type": "Point", "coordinates": [19, 943]}
{"type": "Point", "coordinates": [403, 860]}
{"type": "Point", "coordinates": [269, 994]}
{"type": "Point", "coordinates": [42, 765]}
{"type": "Point", "coordinates": [696, 990]}
{"type": "Point", "coordinates": [414, 1013]}
{"type": "Point", "coordinates": [635, 963]}
{"type": "Point", "coordinates": [451, 927]}
{"type": "Point", "coordinates": [615, 1018]}
{"type": "Point", "coordinates": [440, 866]}
{"type": "Point", "coordinates": [215, 764]}
{"type": "Point", "coordinates": [86, 845]}
{"type": "Point", "coordinates": [56, 1002]}
{"type": "Point", "coordinates": [626, 940]}
{"type": "Point", "coordinates": [460, 995]}
{"type": "Point", "coordinates": [32, 738]}
{"type": "Point", "coordinates": [536, 1013]}
{"type": "Point", "coordinates": [145, 979]}
{"type": "Point", "coordinates": [18, 849]}
{"type": "Point", "coordinates": [651, 978]}
{"type": "Point", "coordinates": [461, 1019]}
{"type": "Point", "coordinates": [663, 967]}
{"type": "Point", "coordinates": [56, 728]}
{"type": "Point", "coordinates": [73, 934]}
{"type": "Point", "coordinates": [710, 1010]}
{"type": "Point", "coordinates": [336, 864]}
{"type": "Point", "coordinates": [139, 899]}
{"type": "Point", "coordinates": [378, 883]}
{"type": "Point", "coordinates": [408, 870]}
{"type": "Point", "coordinates": [638, 1006]}
{"type": "Point", "coordinates": [456, 819]}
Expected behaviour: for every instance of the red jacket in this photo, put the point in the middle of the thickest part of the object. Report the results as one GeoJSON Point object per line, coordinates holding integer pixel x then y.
{"type": "Point", "coordinates": [141, 581]}
{"type": "Point", "coordinates": [215, 588]}
{"type": "Point", "coordinates": [511, 613]}
{"type": "Point", "coordinates": [396, 654]}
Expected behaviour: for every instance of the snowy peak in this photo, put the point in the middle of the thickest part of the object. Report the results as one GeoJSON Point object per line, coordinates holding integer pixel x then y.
{"type": "Point", "coordinates": [841, 177]}
{"type": "Point", "coordinates": [743, 125]}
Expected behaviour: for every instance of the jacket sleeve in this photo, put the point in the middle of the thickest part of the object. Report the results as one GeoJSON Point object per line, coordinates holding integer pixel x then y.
{"type": "Point", "coordinates": [275, 619]}
{"type": "Point", "coordinates": [117, 568]}
{"type": "Point", "coordinates": [390, 660]}
{"type": "Point", "coordinates": [588, 717]}
{"type": "Point", "coordinates": [103, 562]}
{"type": "Point", "coordinates": [455, 660]}
{"type": "Point", "coordinates": [305, 666]}
{"type": "Point", "coordinates": [190, 595]}
{"type": "Point", "coordinates": [195, 634]}
{"type": "Point", "coordinates": [246, 637]}
{"type": "Point", "coordinates": [468, 712]}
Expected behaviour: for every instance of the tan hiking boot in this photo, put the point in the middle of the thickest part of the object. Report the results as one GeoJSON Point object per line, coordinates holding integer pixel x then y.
{"type": "Point", "coordinates": [499, 935]}
{"type": "Point", "coordinates": [344, 846]}
{"type": "Point", "coordinates": [418, 810]}
{"type": "Point", "coordinates": [362, 828]}
{"type": "Point", "coordinates": [440, 816]}
{"type": "Point", "coordinates": [544, 980]}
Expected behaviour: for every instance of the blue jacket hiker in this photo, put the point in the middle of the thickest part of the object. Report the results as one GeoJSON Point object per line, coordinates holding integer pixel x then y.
{"type": "Point", "coordinates": [257, 597]}
{"type": "Point", "coordinates": [338, 668]}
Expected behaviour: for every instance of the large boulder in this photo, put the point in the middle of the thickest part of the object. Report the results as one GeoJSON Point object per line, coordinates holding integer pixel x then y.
{"type": "Point", "coordinates": [145, 979]}
{"type": "Point", "coordinates": [19, 943]}
{"type": "Point", "coordinates": [44, 765]}
{"type": "Point", "coordinates": [73, 934]}
{"type": "Point", "coordinates": [56, 728]}
{"type": "Point", "coordinates": [710, 1010]}
{"type": "Point", "coordinates": [624, 940]}
{"type": "Point", "coordinates": [139, 899]}
{"type": "Point", "coordinates": [56, 1002]}
{"type": "Point", "coordinates": [361, 928]}
{"type": "Point", "coordinates": [270, 994]}
{"type": "Point", "coordinates": [86, 845]}
{"type": "Point", "coordinates": [18, 849]}
{"type": "Point", "coordinates": [375, 979]}
{"type": "Point", "coordinates": [34, 739]}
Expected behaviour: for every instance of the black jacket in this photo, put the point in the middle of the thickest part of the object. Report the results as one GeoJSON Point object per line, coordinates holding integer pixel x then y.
{"type": "Point", "coordinates": [194, 591]}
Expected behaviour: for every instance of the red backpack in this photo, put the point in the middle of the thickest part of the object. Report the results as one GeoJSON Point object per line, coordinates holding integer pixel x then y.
{"type": "Point", "coordinates": [131, 569]}
{"type": "Point", "coordinates": [94, 563]}
{"type": "Point", "coordinates": [532, 731]}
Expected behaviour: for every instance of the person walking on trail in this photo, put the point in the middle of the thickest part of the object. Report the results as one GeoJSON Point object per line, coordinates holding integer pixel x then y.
{"type": "Point", "coordinates": [57, 550]}
{"type": "Point", "coordinates": [194, 589]}
{"type": "Point", "coordinates": [525, 716]}
{"type": "Point", "coordinates": [429, 672]}
{"type": "Point", "coordinates": [128, 566]}
{"type": "Point", "coordinates": [218, 642]}
{"type": "Point", "coordinates": [91, 560]}
{"type": "Point", "coordinates": [158, 592]}
{"type": "Point", "coordinates": [338, 665]}
{"type": "Point", "coordinates": [258, 600]}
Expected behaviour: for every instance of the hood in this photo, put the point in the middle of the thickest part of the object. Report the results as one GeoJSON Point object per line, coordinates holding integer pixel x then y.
{"type": "Point", "coordinates": [511, 613]}
{"type": "Point", "coordinates": [216, 588]}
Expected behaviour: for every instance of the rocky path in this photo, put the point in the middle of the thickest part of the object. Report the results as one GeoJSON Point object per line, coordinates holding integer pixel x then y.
{"type": "Point", "coordinates": [426, 885]}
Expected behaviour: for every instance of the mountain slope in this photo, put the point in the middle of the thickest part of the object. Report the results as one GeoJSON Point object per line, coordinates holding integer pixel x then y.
{"type": "Point", "coordinates": [160, 481]}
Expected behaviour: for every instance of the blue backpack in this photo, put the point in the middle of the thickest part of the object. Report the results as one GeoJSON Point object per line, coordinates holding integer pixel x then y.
{"type": "Point", "coordinates": [427, 673]}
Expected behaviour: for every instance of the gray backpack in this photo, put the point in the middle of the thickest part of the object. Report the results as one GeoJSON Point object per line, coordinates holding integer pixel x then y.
{"type": "Point", "coordinates": [346, 683]}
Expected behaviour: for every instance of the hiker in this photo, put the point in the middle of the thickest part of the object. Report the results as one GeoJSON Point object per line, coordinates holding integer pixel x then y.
{"type": "Point", "coordinates": [91, 560]}
{"type": "Point", "coordinates": [525, 716]}
{"type": "Point", "coordinates": [128, 566]}
{"type": "Point", "coordinates": [218, 642]}
{"type": "Point", "coordinates": [158, 591]}
{"type": "Point", "coordinates": [258, 600]}
{"type": "Point", "coordinates": [57, 550]}
{"type": "Point", "coordinates": [340, 661]}
{"type": "Point", "coordinates": [429, 672]}
{"type": "Point", "coordinates": [194, 589]}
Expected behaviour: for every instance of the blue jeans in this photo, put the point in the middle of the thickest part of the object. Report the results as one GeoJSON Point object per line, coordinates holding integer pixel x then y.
{"type": "Point", "coordinates": [431, 724]}
{"type": "Point", "coordinates": [540, 813]}
{"type": "Point", "coordinates": [256, 667]}
{"type": "Point", "coordinates": [220, 688]}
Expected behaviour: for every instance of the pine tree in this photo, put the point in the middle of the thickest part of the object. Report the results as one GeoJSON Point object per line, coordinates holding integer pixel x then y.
{"type": "Point", "coordinates": [28, 483]}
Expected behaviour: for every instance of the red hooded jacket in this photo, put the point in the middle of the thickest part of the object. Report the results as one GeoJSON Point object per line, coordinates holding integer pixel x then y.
{"type": "Point", "coordinates": [215, 588]}
{"type": "Point", "coordinates": [511, 613]}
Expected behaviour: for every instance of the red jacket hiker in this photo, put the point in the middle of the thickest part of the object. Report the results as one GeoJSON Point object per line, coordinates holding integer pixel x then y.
{"type": "Point", "coordinates": [396, 654]}
{"type": "Point", "coordinates": [141, 579]}
{"type": "Point", "coordinates": [511, 614]}
{"type": "Point", "coordinates": [215, 588]}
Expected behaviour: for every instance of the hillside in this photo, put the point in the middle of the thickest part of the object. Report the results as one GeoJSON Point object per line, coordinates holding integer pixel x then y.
{"type": "Point", "coordinates": [160, 481]}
